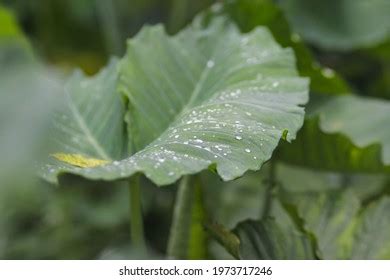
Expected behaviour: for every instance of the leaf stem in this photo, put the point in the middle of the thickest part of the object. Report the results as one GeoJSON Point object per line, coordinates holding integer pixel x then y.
{"type": "Point", "coordinates": [178, 232]}
{"type": "Point", "coordinates": [136, 221]}
{"type": "Point", "coordinates": [271, 187]}
{"type": "Point", "coordinates": [109, 24]}
{"type": "Point", "coordinates": [187, 237]}
{"type": "Point", "coordinates": [177, 15]}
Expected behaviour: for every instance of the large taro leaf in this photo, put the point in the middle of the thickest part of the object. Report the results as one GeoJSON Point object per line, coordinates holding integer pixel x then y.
{"type": "Point", "coordinates": [340, 24]}
{"type": "Point", "coordinates": [89, 129]}
{"type": "Point", "coordinates": [204, 98]}
{"type": "Point", "coordinates": [345, 133]}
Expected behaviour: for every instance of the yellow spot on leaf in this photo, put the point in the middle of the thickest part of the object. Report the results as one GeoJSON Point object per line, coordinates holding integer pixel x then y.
{"type": "Point", "coordinates": [80, 160]}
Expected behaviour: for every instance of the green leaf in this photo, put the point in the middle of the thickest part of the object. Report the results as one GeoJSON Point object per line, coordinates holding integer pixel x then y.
{"type": "Point", "coordinates": [343, 229]}
{"type": "Point", "coordinates": [273, 238]}
{"type": "Point", "coordinates": [346, 133]}
{"type": "Point", "coordinates": [13, 44]}
{"type": "Point", "coordinates": [332, 208]}
{"type": "Point", "coordinates": [249, 14]}
{"type": "Point", "coordinates": [234, 201]}
{"type": "Point", "coordinates": [188, 239]}
{"type": "Point", "coordinates": [340, 24]}
{"type": "Point", "coordinates": [91, 122]}
{"type": "Point", "coordinates": [206, 98]}
{"type": "Point", "coordinates": [372, 238]}
{"type": "Point", "coordinates": [8, 24]}
{"type": "Point", "coordinates": [329, 216]}
{"type": "Point", "coordinates": [298, 180]}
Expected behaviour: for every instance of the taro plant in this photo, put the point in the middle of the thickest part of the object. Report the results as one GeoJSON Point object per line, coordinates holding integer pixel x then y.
{"type": "Point", "coordinates": [272, 155]}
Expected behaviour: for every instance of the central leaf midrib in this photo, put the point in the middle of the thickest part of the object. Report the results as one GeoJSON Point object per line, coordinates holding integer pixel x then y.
{"type": "Point", "coordinates": [198, 86]}
{"type": "Point", "coordinates": [84, 128]}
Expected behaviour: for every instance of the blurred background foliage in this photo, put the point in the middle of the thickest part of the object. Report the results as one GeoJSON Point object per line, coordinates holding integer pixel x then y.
{"type": "Point", "coordinates": [84, 220]}
{"type": "Point", "coordinates": [85, 33]}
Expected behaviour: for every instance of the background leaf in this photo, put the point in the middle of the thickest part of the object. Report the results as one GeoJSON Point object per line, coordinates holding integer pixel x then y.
{"type": "Point", "coordinates": [249, 14]}
{"type": "Point", "coordinates": [345, 133]}
{"type": "Point", "coordinates": [329, 216]}
{"type": "Point", "coordinates": [372, 240]}
{"type": "Point", "coordinates": [340, 24]}
{"type": "Point", "coordinates": [273, 238]}
{"type": "Point", "coordinates": [331, 207]}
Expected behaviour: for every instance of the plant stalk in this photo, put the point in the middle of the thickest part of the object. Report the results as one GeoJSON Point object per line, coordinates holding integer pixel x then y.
{"type": "Point", "coordinates": [179, 232]}
{"type": "Point", "coordinates": [136, 221]}
{"type": "Point", "coordinates": [187, 236]}
{"type": "Point", "coordinates": [271, 187]}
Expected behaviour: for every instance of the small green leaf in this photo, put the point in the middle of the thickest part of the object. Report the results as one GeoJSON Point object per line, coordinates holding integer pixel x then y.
{"type": "Point", "coordinates": [372, 238]}
{"type": "Point", "coordinates": [329, 216]}
{"type": "Point", "coordinates": [249, 14]}
{"type": "Point", "coordinates": [274, 238]}
{"type": "Point", "coordinates": [346, 133]}
{"type": "Point", "coordinates": [13, 44]}
{"type": "Point", "coordinates": [206, 98]}
{"type": "Point", "coordinates": [340, 24]}
{"type": "Point", "coordinates": [336, 215]}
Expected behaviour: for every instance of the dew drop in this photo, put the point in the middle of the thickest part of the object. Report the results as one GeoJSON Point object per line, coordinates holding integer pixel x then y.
{"type": "Point", "coordinates": [171, 173]}
{"type": "Point", "coordinates": [247, 150]}
{"type": "Point", "coordinates": [295, 37]}
{"type": "Point", "coordinates": [328, 73]}
{"type": "Point", "coordinates": [210, 64]}
{"type": "Point", "coordinates": [176, 136]}
{"type": "Point", "coordinates": [238, 137]}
